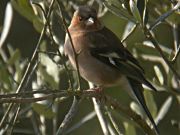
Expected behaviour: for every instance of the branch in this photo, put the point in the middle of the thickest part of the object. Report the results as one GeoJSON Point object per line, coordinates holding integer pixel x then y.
{"type": "Point", "coordinates": [116, 127]}
{"type": "Point", "coordinates": [69, 116]}
{"type": "Point", "coordinates": [13, 98]}
{"type": "Point", "coordinates": [101, 118]}
{"type": "Point", "coordinates": [56, 45]}
{"type": "Point", "coordinates": [99, 113]}
{"type": "Point", "coordinates": [81, 122]}
{"type": "Point", "coordinates": [86, 94]}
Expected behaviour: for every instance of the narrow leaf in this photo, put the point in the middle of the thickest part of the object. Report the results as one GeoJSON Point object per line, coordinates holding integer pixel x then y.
{"type": "Point", "coordinates": [164, 109]}
{"type": "Point", "coordinates": [134, 10]}
{"type": "Point", "coordinates": [43, 110]}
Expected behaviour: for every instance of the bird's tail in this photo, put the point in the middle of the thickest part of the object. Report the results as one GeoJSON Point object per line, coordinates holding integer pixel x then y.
{"type": "Point", "coordinates": [137, 91]}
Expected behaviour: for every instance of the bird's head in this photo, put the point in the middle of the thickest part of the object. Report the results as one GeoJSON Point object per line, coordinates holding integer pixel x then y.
{"type": "Point", "coordinates": [85, 18]}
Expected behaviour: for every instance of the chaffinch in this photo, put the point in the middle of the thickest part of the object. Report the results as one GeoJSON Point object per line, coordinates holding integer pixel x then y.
{"type": "Point", "coordinates": [102, 59]}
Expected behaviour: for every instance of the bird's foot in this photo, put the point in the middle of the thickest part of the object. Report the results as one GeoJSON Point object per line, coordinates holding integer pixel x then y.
{"type": "Point", "coordinates": [98, 89]}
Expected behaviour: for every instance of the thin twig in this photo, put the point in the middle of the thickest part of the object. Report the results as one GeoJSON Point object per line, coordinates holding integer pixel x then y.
{"type": "Point", "coordinates": [55, 94]}
{"type": "Point", "coordinates": [164, 16]}
{"type": "Point", "coordinates": [35, 124]}
{"type": "Point", "coordinates": [56, 46]}
{"type": "Point", "coordinates": [76, 100]}
{"type": "Point", "coordinates": [149, 36]}
{"type": "Point", "coordinates": [49, 53]}
{"type": "Point", "coordinates": [113, 121]}
{"type": "Point", "coordinates": [72, 45]}
{"type": "Point", "coordinates": [33, 69]}
{"type": "Point", "coordinates": [16, 112]}
{"type": "Point", "coordinates": [29, 93]}
{"type": "Point", "coordinates": [9, 132]}
{"type": "Point", "coordinates": [99, 113]}
{"type": "Point", "coordinates": [89, 93]}
{"type": "Point", "coordinates": [122, 13]}
{"type": "Point", "coordinates": [69, 116]}
{"type": "Point", "coordinates": [137, 118]}
{"type": "Point", "coordinates": [27, 100]}
{"type": "Point", "coordinates": [85, 119]}
{"type": "Point", "coordinates": [29, 64]}
{"type": "Point", "coordinates": [5, 115]}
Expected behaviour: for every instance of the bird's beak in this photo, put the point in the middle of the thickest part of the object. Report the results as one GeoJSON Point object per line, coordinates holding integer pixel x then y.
{"type": "Point", "coordinates": [90, 21]}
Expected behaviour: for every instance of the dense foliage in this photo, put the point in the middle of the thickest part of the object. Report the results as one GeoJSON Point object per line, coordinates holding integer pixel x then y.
{"type": "Point", "coordinates": [37, 83]}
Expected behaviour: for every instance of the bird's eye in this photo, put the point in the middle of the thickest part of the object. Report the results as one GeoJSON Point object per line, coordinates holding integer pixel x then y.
{"type": "Point", "coordinates": [80, 18]}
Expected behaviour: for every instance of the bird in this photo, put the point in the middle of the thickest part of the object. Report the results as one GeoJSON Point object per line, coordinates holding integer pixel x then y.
{"type": "Point", "coordinates": [101, 57]}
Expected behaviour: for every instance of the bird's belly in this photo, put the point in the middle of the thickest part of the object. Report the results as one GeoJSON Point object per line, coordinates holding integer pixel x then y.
{"type": "Point", "coordinates": [93, 70]}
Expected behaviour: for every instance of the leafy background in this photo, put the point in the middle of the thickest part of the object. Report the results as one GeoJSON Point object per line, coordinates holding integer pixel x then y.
{"type": "Point", "coordinates": [22, 36]}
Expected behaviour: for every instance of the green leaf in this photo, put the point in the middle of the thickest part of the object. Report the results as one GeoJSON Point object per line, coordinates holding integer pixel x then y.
{"type": "Point", "coordinates": [43, 110]}
{"type": "Point", "coordinates": [14, 58]}
{"type": "Point", "coordinates": [130, 130]}
{"type": "Point", "coordinates": [145, 49]}
{"type": "Point", "coordinates": [136, 108]}
{"type": "Point", "coordinates": [174, 18]}
{"type": "Point", "coordinates": [38, 25]}
{"type": "Point", "coordinates": [119, 11]}
{"type": "Point", "coordinates": [159, 74]}
{"type": "Point", "coordinates": [5, 79]}
{"type": "Point", "coordinates": [164, 109]}
{"type": "Point", "coordinates": [135, 10]}
{"type": "Point", "coordinates": [19, 70]}
{"type": "Point", "coordinates": [145, 13]}
{"type": "Point", "coordinates": [150, 102]}
{"type": "Point", "coordinates": [148, 48]}
{"type": "Point", "coordinates": [24, 8]}
{"type": "Point", "coordinates": [130, 26]}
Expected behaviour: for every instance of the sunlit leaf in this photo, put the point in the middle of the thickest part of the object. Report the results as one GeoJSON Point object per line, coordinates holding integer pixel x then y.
{"type": "Point", "coordinates": [159, 74]}
{"type": "Point", "coordinates": [5, 79]}
{"type": "Point", "coordinates": [135, 10]}
{"type": "Point", "coordinates": [145, 49]}
{"type": "Point", "coordinates": [136, 108]}
{"type": "Point", "coordinates": [145, 13]}
{"type": "Point", "coordinates": [150, 102]}
{"type": "Point", "coordinates": [7, 24]}
{"type": "Point", "coordinates": [164, 109]}
{"type": "Point", "coordinates": [128, 29]}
